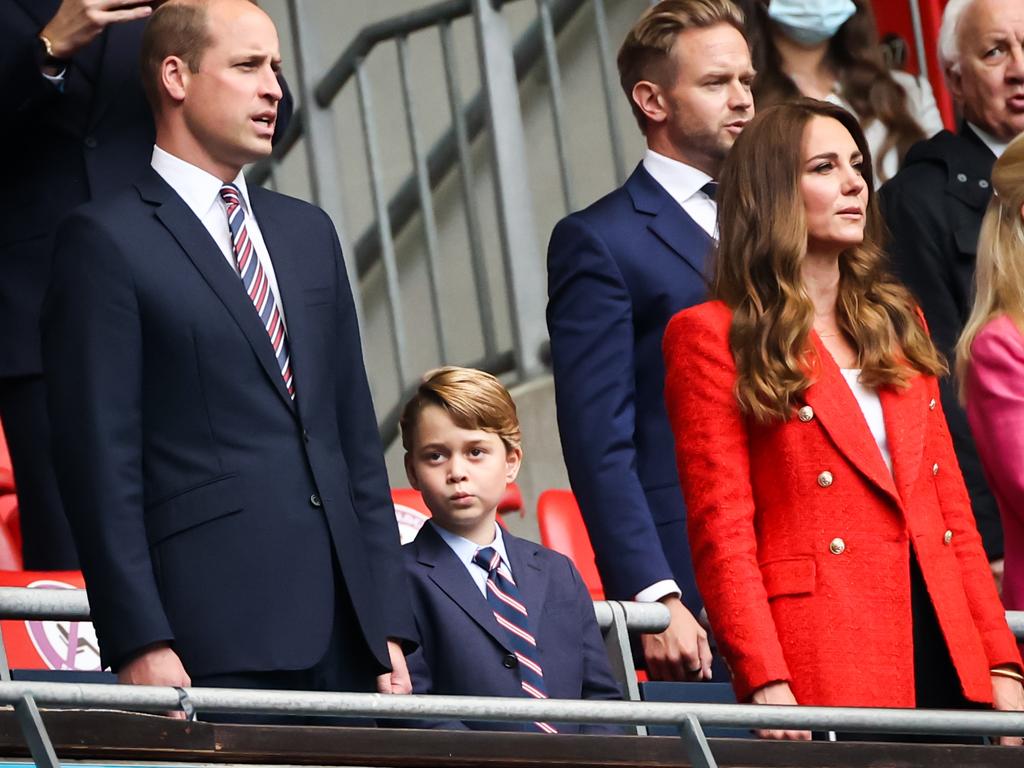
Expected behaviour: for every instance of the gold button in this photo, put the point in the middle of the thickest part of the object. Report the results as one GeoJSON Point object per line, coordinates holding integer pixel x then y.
{"type": "Point", "coordinates": [947, 537]}
{"type": "Point", "coordinates": [825, 479]}
{"type": "Point", "coordinates": [935, 469]}
{"type": "Point", "coordinates": [805, 414]}
{"type": "Point", "coordinates": [931, 404]}
{"type": "Point", "coordinates": [837, 546]}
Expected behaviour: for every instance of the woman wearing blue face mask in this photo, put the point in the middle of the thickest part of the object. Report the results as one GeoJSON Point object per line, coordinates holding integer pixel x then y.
{"type": "Point", "coordinates": [828, 49]}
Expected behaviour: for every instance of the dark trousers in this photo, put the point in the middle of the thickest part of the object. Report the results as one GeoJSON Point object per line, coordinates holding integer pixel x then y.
{"type": "Point", "coordinates": [347, 665]}
{"type": "Point", "coordinates": [46, 536]}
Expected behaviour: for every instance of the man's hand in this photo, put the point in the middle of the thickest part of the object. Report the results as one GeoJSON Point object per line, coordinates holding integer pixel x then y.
{"type": "Point", "coordinates": [781, 694]}
{"type": "Point", "coordinates": [1008, 695]}
{"type": "Point", "coordinates": [997, 573]}
{"type": "Point", "coordinates": [78, 22]}
{"type": "Point", "coordinates": [681, 652]}
{"type": "Point", "coordinates": [397, 680]}
{"type": "Point", "coordinates": [157, 665]}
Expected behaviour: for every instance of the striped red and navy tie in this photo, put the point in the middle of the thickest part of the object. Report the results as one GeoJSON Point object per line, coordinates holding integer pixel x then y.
{"type": "Point", "coordinates": [256, 282]}
{"type": "Point", "coordinates": [510, 612]}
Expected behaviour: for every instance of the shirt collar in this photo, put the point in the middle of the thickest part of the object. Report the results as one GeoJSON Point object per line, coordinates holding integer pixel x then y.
{"type": "Point", "coordinates": [465, 549]}
{"type": "Point", "coordinates": [680, 180]}
{"type": "Point", "coordinates": [995, 145]}
{"type": "Point", "coordinates": [200, 190]}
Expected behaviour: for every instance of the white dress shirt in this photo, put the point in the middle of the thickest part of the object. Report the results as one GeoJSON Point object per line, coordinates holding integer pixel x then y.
{"type": "Point", "coordinates": [201, 192]}
{"type": "Point", "coordinates": [994, 144]}
{"type": "Point", "coordinates": [871, 406]}
{"type": "Point", "coordinates": [683, 183]}
{"type": "Point", "coordinates": [466, 550]}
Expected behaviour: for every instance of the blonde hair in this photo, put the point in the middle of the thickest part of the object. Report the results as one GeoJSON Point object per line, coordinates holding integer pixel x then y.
{"type": "Point", "coordinates": [757, 272]}
{"type": "Point", "coordinates": [646, 53]}
{"type": "Point", "coordinates": [473, 399]}
{"type": "Point", "coordinates": [999, 271]}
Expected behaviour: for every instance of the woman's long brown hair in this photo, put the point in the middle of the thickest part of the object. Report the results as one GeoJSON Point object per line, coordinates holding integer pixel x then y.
{"type": "Point", "coordinates": [864, 79]}
{"type": "Point", "coordinates": [757, 272]}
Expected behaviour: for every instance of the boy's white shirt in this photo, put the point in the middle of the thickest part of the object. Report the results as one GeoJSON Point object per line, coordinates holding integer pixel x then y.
{"type": "Point", "coordinates": [466, 550]}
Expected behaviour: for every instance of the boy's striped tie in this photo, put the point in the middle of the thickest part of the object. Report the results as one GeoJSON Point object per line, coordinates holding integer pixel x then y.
{"type": "Point", "coordinates": [256, 282]}
{"type": "Point", "coordinates": [510, 612]}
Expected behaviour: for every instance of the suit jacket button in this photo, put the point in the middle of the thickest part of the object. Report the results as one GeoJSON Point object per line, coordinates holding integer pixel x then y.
{"type": "Point", "coordinates": [931, 404]}
{"type": "Point", "coordinates": [315, 501]}
{"type": "Point", "coordinates": [947, 537]}
{"type": "Point", "coordinates": [935, 469]}
{"type": "Point", "coordinates": [305, 436]}
{"type": "Point", "coordinates": [837, 546]}
{"type": "Point", "coordinates": [90, 142]}
{"type": "Point", "coordinates": [805, 414]}
{"type": "Point", "coordinates": [510, 661]}
{"type": "Point", "coordinates": [825, 479]}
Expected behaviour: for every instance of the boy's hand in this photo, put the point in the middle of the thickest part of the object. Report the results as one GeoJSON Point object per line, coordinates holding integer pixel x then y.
{"type": "Point", "coordinates": [681, 652]}
{"type": "Point", "coordinates": [397, 680]}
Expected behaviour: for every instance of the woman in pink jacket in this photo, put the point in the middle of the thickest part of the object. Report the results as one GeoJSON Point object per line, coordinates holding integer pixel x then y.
{"type": "Point", "coordinates": [990, 359]}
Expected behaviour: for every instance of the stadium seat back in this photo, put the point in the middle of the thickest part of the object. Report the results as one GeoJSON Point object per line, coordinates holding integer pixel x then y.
{"type": "Point", "coordinates": [562, 529]}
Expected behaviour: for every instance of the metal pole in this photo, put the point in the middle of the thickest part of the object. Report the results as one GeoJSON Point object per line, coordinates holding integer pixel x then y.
{"type": "Point", "coordinates": [476, 246]}
{"type": "Point", "coordinates": [36, 737]}
{"type": "Point", "coordinates": [555, 92]}
{"type": "Point", "coordinates": [383, 222]}
{"type": "Point", "coordinates": [322, 157]}
{"type": "Point", "coordinates": [696, 743]}
{"type": "Point", "coordinates": [608, 82]}
{"type": "Point", "coordinates": [620, 655]}
{"type": "Point", "coordinates": [524, 274]}
{"type": "Point", "coordinates": [426, 203]}
{"type": "Point", "coordinates": [922, 53]}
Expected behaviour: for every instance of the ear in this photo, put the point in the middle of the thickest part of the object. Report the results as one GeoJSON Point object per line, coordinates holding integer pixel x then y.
{"type": "Point", "coordinates": [513, 460]}
{"type": "Point", "coordinates": [649, 99]}
{"type": "Point", "coordinates": [954, 79]}
{"type": "Point", "coordinates": [175, 77]}
{"type": "Point", "coordinates": [410, 472]}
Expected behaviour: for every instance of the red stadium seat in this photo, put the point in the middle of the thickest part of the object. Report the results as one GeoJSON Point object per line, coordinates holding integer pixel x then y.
{"type": "Point", "coordinates": [6, 472]}
{"type": "Point", "coordinates": [562, 529]}
{"type": "Point", "coordinates": [59, 645]}
{"type": "Point", "coordinates": [411, 512]}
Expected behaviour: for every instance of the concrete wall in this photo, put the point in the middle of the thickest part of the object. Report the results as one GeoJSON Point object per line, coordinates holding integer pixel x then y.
{"type": "Point", "coordinates": [336, 24]}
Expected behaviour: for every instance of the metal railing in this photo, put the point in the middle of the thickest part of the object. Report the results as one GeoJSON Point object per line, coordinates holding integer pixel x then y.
{"type": "Point", "coordinates": [493, 112]}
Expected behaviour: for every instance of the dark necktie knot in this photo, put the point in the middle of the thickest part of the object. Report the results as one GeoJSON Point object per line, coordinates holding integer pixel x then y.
{"type": "Point", "coordinates": [710, 189]}
{"type": "Point", "coordinates": [487, 558]}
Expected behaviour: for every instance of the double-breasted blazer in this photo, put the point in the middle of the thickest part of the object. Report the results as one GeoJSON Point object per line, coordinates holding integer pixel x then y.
{"type": "Point", "coordinates": [802, 537]}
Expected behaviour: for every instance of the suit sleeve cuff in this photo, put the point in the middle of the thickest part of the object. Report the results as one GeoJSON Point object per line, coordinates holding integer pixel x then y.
{"type": "Point", "coordinates": [659, 590]}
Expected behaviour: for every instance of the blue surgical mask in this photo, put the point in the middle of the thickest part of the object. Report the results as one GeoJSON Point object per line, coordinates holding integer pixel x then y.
{"type": "Point", "coordinates": [810, 22]}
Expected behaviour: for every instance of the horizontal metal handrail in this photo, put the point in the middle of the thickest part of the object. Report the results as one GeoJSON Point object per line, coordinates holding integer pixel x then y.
{"type": "Point", "coordinates": [159, 699]}
{"type": "Point", "coordinates": [73, 605]}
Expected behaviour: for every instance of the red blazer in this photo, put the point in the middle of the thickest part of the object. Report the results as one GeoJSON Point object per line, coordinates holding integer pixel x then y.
{"type": "Point", "coordinates": [801, 536]}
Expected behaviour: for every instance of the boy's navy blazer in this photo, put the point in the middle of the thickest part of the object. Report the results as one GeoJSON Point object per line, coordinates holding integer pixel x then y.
{"type": "Point", "coordinates": [617, 272]}
{"type": "Point", "coordinates": [211, 510]}
{"type": "Point", "coordinates": [463, 651]}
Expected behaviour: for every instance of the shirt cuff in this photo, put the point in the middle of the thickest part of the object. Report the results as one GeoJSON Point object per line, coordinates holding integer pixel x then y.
{"type": "Point", "coordinates": [56, 80]}
{"type": "Point", "coordinates": [658, 590]}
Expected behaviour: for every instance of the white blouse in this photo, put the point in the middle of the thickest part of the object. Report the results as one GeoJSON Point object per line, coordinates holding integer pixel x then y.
{"type": "Point", "coordinates": [871, 407]}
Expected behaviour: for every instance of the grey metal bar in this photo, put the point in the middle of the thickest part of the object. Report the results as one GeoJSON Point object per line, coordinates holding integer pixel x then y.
{"type": "Point", "coordinates": [405, 24]}
{"type": "Point", "coordinates": [922, 53]}
{"type": "Point", "coordinates": [36, 737]}
{"type": "Point", "coordinates": [426, 202]}
{"type": "Point", "coordinates": [697, 748]}
{"type": "Point", "coordinates": [609, 87]}
{"type": "Point", "coordinates": [323, 161]}
{"type": "Point", "coordinates": [555, 93]}
{"type": "Point", "coordinates": [465, 161]}
{"type": "Point", "coordinates": [524, 274]}
{"type": "Point", "coordinates": [160, 699]}
{"type": "Point", "coordinates": [383, 222]}
{"type": "Point", "coordinates": [1016, 621]}
{"type": "Point", "coordinates": [620, 655]}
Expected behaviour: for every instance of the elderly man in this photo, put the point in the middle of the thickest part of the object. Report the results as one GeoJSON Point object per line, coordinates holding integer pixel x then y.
{"type": "Point", "coordinates": [934, 206]}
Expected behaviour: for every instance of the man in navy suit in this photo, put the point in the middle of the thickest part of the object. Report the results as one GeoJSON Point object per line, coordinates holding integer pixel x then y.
{"type": "Point", "coordinates": [76, 128]}
{"type": "Point", "coordinates": [214, 436]}
{"type": "Point", "coordinates": [617, 271]}
{"type": "Point", "coordinates": [495, 615]}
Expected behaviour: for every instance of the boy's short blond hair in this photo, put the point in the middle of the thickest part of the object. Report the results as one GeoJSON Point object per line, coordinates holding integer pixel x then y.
{"type": "Point", "coordinates": [473, 399]}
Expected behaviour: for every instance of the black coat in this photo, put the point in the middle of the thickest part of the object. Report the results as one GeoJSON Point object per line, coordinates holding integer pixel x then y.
{"type": "Point", "coordinates": [934, 207]}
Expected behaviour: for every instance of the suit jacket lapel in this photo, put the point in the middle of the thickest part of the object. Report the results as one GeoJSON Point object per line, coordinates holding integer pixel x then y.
{"type": "Point", "coordinates": [120, 60]}
{"type": "Point", "coordinates": [204, 254]}
{"type": "Point", "coordinates": [450, 575]}
{"type": "Point", "coordinates": [670, 223]}
{"type": "Point", "coordinates": [530, 577]}
{"type": "Point", "coordinates": [836, 407]}
{"type": "Point", "coordinates": [906, 413]}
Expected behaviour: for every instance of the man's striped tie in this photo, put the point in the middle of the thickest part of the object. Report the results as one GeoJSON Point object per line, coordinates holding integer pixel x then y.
{"type": "Point", "coordinates": [256, 282]}
{"type": "Point", "coordinates": [510, 612]}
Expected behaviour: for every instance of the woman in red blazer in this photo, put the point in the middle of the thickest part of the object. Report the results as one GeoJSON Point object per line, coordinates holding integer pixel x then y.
{"type": "Point", "coordinates": [831, 532]}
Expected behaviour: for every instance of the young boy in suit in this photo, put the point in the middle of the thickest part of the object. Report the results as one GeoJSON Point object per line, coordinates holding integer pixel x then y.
{"type": "Point", "coordinates": [496, 615]}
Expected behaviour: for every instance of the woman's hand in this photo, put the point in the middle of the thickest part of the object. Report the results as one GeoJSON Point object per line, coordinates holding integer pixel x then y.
{"type": "Point", "coordinates": [779, 693]}
{"type": "Point", "coordinates": [1008, 695]}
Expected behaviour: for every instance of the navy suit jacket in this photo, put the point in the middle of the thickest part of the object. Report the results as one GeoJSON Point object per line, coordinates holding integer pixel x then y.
{"type": "Point", "coordinates": [462, 650]}
{"type": "Point", "coordinates": [617, 272]}
{"type": "Point", "coordinates": [206, 504]}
